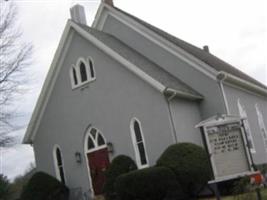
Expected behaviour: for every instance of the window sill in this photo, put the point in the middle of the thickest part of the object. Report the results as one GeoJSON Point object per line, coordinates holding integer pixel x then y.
{"type": "Point", "coordinates": [83, 85]}
{"type": "Point", "coordinates": [143, 166]}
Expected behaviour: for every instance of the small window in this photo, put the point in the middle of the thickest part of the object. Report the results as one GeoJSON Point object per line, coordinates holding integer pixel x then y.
{"type": "Point", "coordinates": [74, 76]}
{"type": "Point", "coordinates": [243, 113]}
{"type": "Point", "coordinates": [92, 72]}
{"type": "Point", "coordinates": [261, 125]}
{"type": "Point", "coordinates": [59, 165]}
{"type": "Point", "coordinates": [81, 73]}
{"type": "Point", "coordinates": [139, 144]}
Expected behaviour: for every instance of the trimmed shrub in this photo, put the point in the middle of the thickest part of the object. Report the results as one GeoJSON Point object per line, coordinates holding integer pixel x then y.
{"type": "Point", "coordinates": [42, 186]}
{"type": "Point", "coordinates": [190, 164]}
{"type": "Point", "coordinates": [120, 165]}
{"type": "Point", "coordinates": [155, 183]}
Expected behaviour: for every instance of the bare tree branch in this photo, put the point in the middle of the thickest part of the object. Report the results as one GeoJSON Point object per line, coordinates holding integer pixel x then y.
{"type": "Point", "coordinates": [15, 57]}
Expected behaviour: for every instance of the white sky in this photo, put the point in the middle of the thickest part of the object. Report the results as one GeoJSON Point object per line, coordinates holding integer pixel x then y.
{"type": "Point", "coordinates": [235, 30]}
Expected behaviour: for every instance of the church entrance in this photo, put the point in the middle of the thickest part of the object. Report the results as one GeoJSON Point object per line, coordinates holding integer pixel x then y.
{"type": "Point", "coordinates": [97, 158]}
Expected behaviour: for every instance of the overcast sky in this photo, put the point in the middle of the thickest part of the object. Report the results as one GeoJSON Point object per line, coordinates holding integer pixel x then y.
{"type": "Point", "coordinates": [235, 30]}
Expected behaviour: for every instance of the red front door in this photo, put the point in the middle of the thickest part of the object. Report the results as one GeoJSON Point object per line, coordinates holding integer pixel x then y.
{"type": "Point", "coordinates": [98, 163]}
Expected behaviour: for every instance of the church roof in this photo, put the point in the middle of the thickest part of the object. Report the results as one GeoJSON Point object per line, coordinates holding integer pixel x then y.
{"type": "Point", "coordinates": [142, 62]}
{"type": "Point", "coordinates": [213, 61]}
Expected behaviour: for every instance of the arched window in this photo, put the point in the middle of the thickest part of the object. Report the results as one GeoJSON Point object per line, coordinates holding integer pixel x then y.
{"type": "Point", "coordinates": [261, 125]}
{"type": "Point", "coordinates": [83, 72]}
{"type": "Point", "coordinates": [139, 144]}
{"type": "Point", "coordinates": [59, 165]}
{"type": "Point", "coordinates": [74, 74]}
{"type": "Point", "coordinates": [95, 140]}
{"type": "Point", "coordinates": [243, 114]}
{"type": "Point", "coordinates": [92, 70]}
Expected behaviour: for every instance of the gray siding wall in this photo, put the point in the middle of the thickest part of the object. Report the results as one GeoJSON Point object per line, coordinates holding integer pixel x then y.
{"type": "Point", "coordinates": [248, 100]}
{"type": "Point", "coordinates": [213, 102]}
{"type": "Point", "coordinates": [109, 103]}
{"type": "Point", "coordinates": [186, 115]}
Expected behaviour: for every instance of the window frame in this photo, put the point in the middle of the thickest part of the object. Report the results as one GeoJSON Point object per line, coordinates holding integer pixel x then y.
{"type": "Point", "coordinates": [88, 68]}
{"type": "Point", "coordinates": [135, 144]}
{"type": "Point", "coordinates": [243, 114]}
{"type": "Point", "coordinates": [262, 126]}
{"type": "Point", "coordinates": [56, 165]}
{"type": "Point", "coordinates": [95, 140]}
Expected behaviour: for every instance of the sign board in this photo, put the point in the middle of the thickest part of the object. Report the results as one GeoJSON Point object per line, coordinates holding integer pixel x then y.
{"type": "Point", "coordinates": [226, 144]}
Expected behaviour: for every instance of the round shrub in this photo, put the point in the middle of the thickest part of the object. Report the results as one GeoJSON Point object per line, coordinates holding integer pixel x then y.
{"type": "Point", "coordinates": [155, 183]}
{"type": "Point", "coordinates": [120, 165]}
{"type": "Point", "coordinates": [42, 186]}
{"type": "Point", "coordinates": [190, 164]}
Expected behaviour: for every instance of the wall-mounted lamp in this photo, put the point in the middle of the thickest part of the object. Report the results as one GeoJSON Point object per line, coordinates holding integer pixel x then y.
{"type": "Point", "coordinates": [78, 157]}
{"type": "Point", "coordinates": [110, 147]}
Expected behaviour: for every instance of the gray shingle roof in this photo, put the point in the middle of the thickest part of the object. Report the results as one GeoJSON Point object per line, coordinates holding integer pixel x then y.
{"type": "Point", "coordinates": [143, 63]}
{"type": "Point", "coordinates": [208, 58]}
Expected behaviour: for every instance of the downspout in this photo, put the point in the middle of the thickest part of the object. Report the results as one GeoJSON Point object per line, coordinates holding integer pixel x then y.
{"type": "Point", "coordinates": [168, 99]}
{"type": "Point", "coordinates": [221, 77]}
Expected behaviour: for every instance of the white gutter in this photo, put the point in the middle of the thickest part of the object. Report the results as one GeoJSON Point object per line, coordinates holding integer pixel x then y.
{"type": "Point", "coordinates": [243, 83]}
{"type": "Point", "coordinates": [173, 93]}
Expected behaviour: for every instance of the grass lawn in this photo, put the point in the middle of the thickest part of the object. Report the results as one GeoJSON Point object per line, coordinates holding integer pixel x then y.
{"type": "Point", "coordinates": [245, 196]}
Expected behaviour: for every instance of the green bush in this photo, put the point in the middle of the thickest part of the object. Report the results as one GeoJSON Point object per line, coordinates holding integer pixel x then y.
{"type": "Point", "coordinates": [42, 186]}
{"type": "Point", "coordinates": [190, 164]}
{"type": "Point", "coordinates": [120, 165]}
{"type": "Point", "coordinates": [155, 183]}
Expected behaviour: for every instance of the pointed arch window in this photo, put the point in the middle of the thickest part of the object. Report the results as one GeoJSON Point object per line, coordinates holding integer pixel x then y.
{"type": "Point", "coordinates": [95, 140]}
{"type": "Point", "coordinates": [243, 114]}
{"type": "Point", "coordinates": [82, 73]}
{"type": "Point", "coordinates": [139, 144]}
{"type": "Point", "coordinates": [59, 165]}
{"type": "Point", "coordinates": [74, 74]}
{"type": "Point", "coordinates": [92, 70]}
{"type": "Point", "coordinates": [262, 125]}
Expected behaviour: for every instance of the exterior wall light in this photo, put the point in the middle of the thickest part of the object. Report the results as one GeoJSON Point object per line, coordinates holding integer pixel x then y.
{"type": "Point", "coordinates": [78, 157]}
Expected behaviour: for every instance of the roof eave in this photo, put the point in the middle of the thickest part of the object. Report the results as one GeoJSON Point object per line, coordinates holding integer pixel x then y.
{"type": "Point", "coordinates": [169, 92]}
{"type": "Point", "coordinates": [226, 77]}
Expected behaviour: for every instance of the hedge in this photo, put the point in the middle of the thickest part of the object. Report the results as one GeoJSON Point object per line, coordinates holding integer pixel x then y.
{"type": "Point", "coordinates": [120, 165]}
{"type": "Point", "coordinates": [155, 183]}
{"type": "Point", "coordinates": [42, 186]}
{"type": "Point", "coordinates": [190, 165]}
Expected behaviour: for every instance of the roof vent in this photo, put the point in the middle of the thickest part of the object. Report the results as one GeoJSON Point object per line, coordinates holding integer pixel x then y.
{"type": "Point", "coordinates": [206, 48]}
{"type": "Point", "coordinates": [109, 2]}
{"type": "Point", "coordinates": [77, 14]}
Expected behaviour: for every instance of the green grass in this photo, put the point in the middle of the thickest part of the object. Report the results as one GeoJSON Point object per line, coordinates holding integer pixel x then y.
{"type": "Point", "coordinates": [248, 196]}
